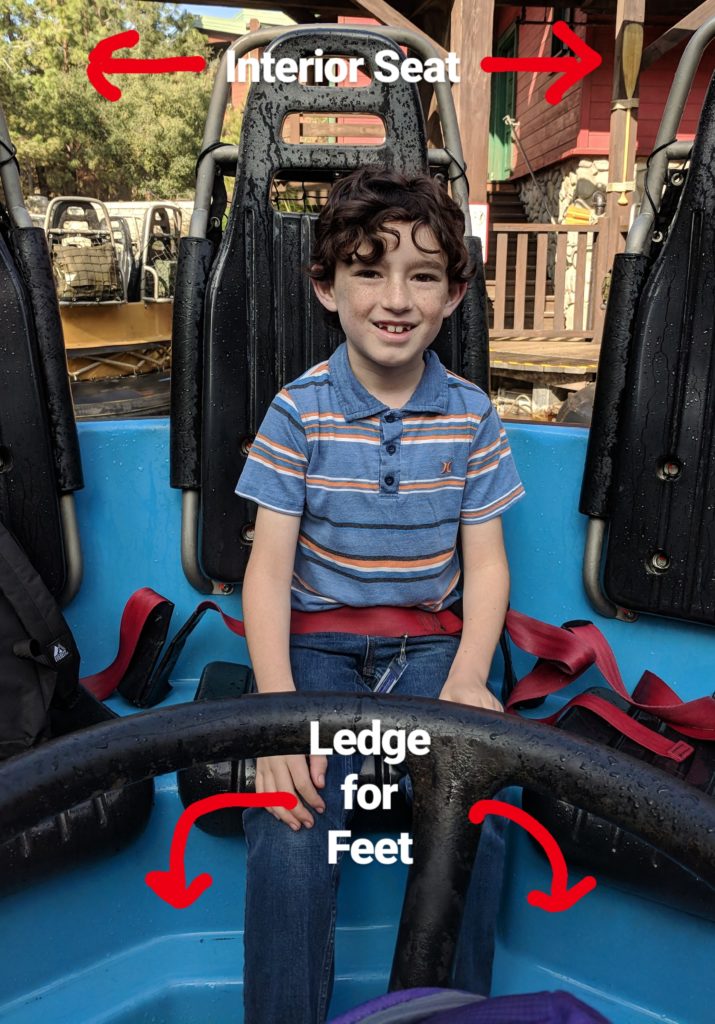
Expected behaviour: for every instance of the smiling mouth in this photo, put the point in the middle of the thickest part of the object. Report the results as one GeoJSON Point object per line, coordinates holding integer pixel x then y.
{"type": "Point", "coordinates": [394, 328]}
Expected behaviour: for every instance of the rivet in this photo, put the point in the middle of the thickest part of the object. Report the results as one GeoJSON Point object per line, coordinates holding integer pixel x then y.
{"type": "Point", "coordinates": [660, 561]}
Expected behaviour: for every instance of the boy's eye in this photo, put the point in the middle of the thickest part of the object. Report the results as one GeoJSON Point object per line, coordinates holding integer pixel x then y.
{"type": "Point", "coordinates": [426, 277]}
{"type": "Point", "coordinates": [366, 272]}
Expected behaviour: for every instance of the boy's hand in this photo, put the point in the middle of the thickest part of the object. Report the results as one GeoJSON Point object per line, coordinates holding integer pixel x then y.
{"type": "Point", "coordinates": [290, 774]}
{"type": "Point", "coordinates": [469, 691]}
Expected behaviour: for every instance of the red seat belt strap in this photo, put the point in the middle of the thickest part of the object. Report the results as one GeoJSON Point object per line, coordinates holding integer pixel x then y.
{"type": "Point", "coordinates": [566, 652]}
{"type": "Point", "coordinates": [135, 617]}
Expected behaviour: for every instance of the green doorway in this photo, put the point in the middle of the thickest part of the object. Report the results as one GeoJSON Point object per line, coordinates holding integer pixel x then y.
{"type": "Point", "coordinates": [503, 103]}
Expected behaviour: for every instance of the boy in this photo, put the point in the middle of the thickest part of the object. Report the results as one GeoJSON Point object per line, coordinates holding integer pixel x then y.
{"type": "Point", "coordinates": [365, 469]}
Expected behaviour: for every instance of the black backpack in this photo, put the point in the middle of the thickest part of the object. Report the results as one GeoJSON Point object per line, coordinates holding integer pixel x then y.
{"type": "Point", "coordinates": [39, 660]}
{"type": "Point", "coordinates": [41, 697]}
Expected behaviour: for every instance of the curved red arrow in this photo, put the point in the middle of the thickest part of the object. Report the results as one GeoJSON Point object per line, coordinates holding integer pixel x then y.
{"type": "Point", "coordinates": [101, 63]}
{"type": "Point", "coordinates": [574, 68]}
{"type": "Point", "coordinates": [170, 885]}
{"type": "Point", "coordinates": [560, 897]}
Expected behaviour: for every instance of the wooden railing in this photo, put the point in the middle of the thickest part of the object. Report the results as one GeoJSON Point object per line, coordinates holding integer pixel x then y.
{"type": "Point", "coordinates": [547, 280]}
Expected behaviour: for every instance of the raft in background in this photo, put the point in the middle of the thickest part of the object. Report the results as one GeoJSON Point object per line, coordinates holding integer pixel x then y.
{"type": "Point", "coordinates": [115, 280]}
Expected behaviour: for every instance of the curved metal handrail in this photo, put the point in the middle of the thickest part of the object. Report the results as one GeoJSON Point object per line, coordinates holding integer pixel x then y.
{"type": "Point", "coordinates": [639, 234]}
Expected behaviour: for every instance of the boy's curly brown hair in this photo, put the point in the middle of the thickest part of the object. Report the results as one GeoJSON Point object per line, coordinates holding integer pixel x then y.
{"type": "Point", "coordinates": [362, 203]}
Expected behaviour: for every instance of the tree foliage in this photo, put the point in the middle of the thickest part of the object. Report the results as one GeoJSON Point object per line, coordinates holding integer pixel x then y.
{"type": "Point", "coordinates": [70, 139]}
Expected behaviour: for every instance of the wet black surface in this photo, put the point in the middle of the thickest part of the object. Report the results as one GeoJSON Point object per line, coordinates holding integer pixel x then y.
{"type": "Point", "coordinates": [473, 755]}
{"type": "Point", "coordinates": [29, 463]}
{"type": "Point", "coordinates": [652, 460]}
{"type": "Point", "coordinates": [145, 395]}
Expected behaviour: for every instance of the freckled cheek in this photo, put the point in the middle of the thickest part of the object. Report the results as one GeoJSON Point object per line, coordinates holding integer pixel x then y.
{"type": "Point", "coordinates": [432, 310]}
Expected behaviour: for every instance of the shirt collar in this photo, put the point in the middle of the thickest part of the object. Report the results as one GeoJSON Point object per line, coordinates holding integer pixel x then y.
{"type": "Point", "coordinates": [356, 402]}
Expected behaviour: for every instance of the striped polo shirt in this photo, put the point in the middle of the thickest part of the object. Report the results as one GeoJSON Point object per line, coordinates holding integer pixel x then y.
{"type": "Point", "coordinates": [381, 492]}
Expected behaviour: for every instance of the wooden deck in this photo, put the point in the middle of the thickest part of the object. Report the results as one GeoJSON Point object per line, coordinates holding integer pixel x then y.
{"type": "Point", "coordinates": [552, 356]}
{"type": "Point", "coordinates": [539, 371]}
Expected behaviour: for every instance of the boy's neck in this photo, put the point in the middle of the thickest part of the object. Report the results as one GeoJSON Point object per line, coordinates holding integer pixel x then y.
{"type": "Point", "coordinates": [393, 387]}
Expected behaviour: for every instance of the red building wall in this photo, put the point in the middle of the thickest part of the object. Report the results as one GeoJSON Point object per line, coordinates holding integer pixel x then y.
{"type": "Point", "coordinates": [579, 125]}
{"type": "Point", "coordinates": [655, 84]}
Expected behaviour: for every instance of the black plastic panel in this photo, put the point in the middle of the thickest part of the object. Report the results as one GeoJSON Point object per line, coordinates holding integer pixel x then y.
{"type": "Point", "coordinates": [661, 548]}
{"type": "Point", "coordinates": [30, 246]}
{"type": "Point", "coordinates": [263, 325]}
{"type": "Point", "coordinates": [605, 849]}
{"type": "Point", "coordinates": [29, 501]}
{"type": "Point", "coordinates": [627, 278]}
{"type": "Point", "coordinates": [192, 275]}
{"type": "Point", "coordinates": [103, 825]}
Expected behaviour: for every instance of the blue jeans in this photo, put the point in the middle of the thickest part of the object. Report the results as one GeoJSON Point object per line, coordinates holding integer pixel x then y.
{"type": "Point", "coordinates": [291, 888]}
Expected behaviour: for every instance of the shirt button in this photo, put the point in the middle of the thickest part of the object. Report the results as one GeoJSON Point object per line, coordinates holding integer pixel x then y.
{"type": "Point", "coordinates": [389, 480]}
{"type": "Point", "coordinates": [390, 418]}
{"type": "Point", "coordinates": [391, 449]}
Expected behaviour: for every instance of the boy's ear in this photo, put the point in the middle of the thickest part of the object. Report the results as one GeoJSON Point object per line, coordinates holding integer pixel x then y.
{"type": "Point", "coordinates": [457, 291]}
{"type": "Point", "coordinates": [324, 291]}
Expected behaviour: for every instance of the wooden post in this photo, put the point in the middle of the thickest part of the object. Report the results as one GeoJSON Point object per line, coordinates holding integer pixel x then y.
{"type": "Point", "coordinates": [622, 134]}
{"type": "Point", "coordinates": [471, 39]}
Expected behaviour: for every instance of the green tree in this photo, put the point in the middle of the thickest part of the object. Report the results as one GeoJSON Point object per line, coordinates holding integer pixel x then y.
{"type": "Point", "coordinates": [72, 140]}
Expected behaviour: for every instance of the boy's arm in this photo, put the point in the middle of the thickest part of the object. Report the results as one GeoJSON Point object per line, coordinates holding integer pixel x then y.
{"type": "Point", "coordinates": [485, 600]}
{"type": "Point", "coordinates": [266, 613]}
{"type": "Point", "coordinates": [266, 599]}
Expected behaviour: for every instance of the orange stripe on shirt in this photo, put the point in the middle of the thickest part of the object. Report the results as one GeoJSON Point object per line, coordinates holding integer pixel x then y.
{"type": "Point", "coordinates": [277, 466]}
{"type": "Point", "coordinates": [479, 513]}
{"type": "Point", "coordinates": [271, 445]}
{"type": "Point", "coordinates": [426, 485]}
{"type": "Point", "coordinates": [375, 563]}
{"type": "Point", "coordinates": [360, 485]}
{"type": "Point", "coordinates": [325, 436]}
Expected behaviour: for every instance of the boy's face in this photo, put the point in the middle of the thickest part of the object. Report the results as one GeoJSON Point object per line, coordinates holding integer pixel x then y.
{"type": "Point", "coordinates": [392, 310]}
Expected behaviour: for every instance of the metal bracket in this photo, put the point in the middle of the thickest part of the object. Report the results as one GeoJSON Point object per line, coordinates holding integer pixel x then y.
{"type": "Point", "coordinates": [592, 555]}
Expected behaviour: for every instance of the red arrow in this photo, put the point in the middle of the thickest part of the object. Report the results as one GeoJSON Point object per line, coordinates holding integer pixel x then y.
{"type": "Point", "coordinates": [574, 68]}
{"type": "Point", "coordinates": [170, 885]}
{"type": "Point", "coordinates": [560, 897]}
{"type": "Point", "coordinates": [101, 62]}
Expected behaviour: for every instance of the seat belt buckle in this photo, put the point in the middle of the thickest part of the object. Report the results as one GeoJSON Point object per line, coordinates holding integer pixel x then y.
{"type": "Point", "coordinates": [680, 751]}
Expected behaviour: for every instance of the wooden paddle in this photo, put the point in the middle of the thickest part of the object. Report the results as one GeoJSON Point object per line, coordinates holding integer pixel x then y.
{"type": "Point", "coordinates": [631, 54]}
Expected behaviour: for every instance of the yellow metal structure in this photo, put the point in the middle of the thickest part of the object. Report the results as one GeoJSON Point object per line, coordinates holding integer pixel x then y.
{"type": "Point", "coordinates": [103, 328]}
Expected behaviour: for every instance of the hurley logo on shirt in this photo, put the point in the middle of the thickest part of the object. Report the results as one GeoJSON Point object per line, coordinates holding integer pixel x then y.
{"type": "Point", "coordinates": [446, 467]}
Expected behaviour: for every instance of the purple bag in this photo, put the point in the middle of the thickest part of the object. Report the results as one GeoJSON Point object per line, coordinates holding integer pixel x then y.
{"type": "Point", "coordinates": [448, 1006]}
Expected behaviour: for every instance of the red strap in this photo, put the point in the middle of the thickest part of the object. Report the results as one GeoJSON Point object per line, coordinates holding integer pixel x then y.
{"type": "Point", "coordinates": [567, 653]}
{"type": "Point", "coordinates": [695, 718]}
{"type": "Point", "coordinates": [381, 620]}
{"type": "Point", "coordinates": [136, 611]}
{"type": "Point", "coordinates": [676, 750]}
{"type": "Point", "coordinates": [573, 650]}
{"type": "Point", "coordinates": [378, 621]}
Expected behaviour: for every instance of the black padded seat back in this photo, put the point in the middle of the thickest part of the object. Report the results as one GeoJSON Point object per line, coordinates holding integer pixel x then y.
{"type": "Point", "coordinates": [263, 325]}
{"type": "Point", "coordinates": [29, 498]}
{"type": "Point", "coordinates": [661, 545]}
